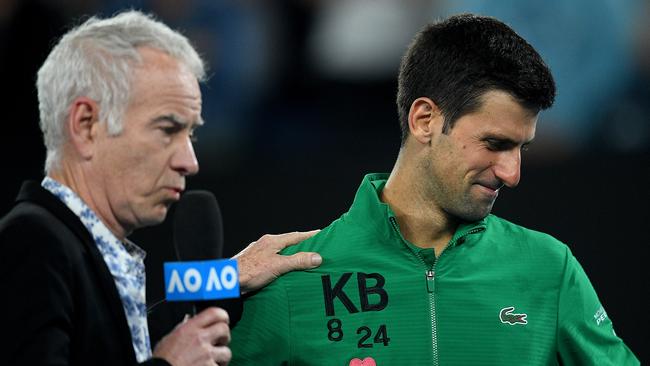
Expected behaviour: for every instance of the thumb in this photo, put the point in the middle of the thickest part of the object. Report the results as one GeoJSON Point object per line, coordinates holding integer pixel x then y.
{"type": "Point", "coordinates": [300, 261]}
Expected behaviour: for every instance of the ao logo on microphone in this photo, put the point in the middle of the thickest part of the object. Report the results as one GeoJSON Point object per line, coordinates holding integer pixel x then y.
{"type": "Point", "coordinates": [201, 280]}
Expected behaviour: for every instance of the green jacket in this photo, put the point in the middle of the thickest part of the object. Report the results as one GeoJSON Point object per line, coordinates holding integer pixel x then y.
{"type": "Point", "coordinates": [499, 294]}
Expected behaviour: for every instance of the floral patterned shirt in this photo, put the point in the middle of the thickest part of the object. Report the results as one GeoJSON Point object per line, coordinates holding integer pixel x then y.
{"type": "Point", "coordinates": [125, 261]}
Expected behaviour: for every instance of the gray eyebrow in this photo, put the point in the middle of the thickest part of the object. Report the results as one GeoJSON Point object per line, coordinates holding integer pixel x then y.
{"type": "Point", "coordinates": [178, 121]}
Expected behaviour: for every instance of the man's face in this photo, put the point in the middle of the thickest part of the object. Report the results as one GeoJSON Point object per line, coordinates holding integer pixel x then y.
{"type": "Point", "coordinates": [142, 170]}
{"type": "Point", "coordinates": [465, 168]}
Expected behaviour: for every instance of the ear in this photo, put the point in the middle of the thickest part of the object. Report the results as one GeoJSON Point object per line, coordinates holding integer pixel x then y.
{"type": "Point", "coordinates": [425, 120]}
{"type": "Point", "coordinates": [83, 126]}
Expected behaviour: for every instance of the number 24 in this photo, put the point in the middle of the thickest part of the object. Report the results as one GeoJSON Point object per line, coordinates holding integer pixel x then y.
{"type": "Point", "coordinates": [380, 337]}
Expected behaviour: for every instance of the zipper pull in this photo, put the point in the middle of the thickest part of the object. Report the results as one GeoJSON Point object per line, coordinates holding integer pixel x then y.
{"type": "Point", "coordinates": [430, 283]}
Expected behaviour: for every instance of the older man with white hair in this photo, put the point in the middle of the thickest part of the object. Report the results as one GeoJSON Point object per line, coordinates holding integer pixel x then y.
{"type": "Point", "coordinates": [119, 101]}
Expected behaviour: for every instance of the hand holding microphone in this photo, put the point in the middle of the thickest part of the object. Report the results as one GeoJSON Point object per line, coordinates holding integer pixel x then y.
{"type": "Point", "coordinates": [201, 340]}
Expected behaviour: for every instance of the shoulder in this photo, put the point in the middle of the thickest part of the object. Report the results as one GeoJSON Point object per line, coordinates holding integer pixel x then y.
{"type": "Point", "coordinates": [25, 212]}
{"type": "Point", "coordinates": [31, 219]}
{"type": "Point", "coordinates": [30, 230]}
{"type": "Point", "coordinates": [27, 219]}
{"type": "Point", "coordinates": [326, 240]}
{"type": "Point", "coordinates": [511, 236]}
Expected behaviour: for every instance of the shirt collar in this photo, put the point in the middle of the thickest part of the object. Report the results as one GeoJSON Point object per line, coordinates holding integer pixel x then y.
{"type": "Point", "coordinates": [90, 220]}
{"type": "Point", "coordinates": [124, 260]}
{"type": "Point", "coordinates": [368, 208]}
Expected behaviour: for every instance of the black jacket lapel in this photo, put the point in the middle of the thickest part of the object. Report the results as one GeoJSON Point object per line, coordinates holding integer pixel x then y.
{"type": "Point", "coordinates": [32, 191]}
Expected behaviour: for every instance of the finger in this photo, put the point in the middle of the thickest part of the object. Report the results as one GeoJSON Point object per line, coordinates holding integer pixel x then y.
{"type": "Point", "coordinates": [210, 316]}
{"type": "Point", "coordinates": [219, 334]}
{"type": "Point", "coordinates": [221, 355]}
{"type": "Point", "coordinates": [288, 239]}
{"type": "Point", "coordinates": [299, 261]}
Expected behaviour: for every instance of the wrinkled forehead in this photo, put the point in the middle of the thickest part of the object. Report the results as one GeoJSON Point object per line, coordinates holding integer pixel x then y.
{"type": "Point", "coordinates": [162, 86]}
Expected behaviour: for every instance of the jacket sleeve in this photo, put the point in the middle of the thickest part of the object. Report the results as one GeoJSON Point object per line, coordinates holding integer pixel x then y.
{"type": "Point", "coordinates": [262, 335]}
{"type": "Point", "coordinates": [585, 334]}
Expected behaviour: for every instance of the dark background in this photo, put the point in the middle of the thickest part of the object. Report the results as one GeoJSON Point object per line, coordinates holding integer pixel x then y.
{"type": "Point", "coordinates": [300, 105]}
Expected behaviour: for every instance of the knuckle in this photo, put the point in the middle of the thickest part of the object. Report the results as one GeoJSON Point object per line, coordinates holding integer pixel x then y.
{"type": "Point", "coordinates": [223, 315]}
{"type": "Point", "coordinates": [227, 354]}
{"type": "Point", "coordinates": [211, 312]}
{"type": "Point", "coordinates": [265, 238]}
{"type": "Point", "coordinates": [300, 259]}
{"type": "Point", "coordinates": [221, 355]}
{"type": "Point", "coordinates": [226, 334]}
{"type": "Point", "coordinates": [223, 331]}
{"type": "Point", "coordinates": [218, 313]}
{"type": "Point", "coordinates": [215, 311]}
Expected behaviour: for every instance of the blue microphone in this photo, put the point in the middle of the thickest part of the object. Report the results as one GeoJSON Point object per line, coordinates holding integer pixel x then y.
{"type": "Point", "coordinates": [201, 280]}
{"type": "Point", "coordinates": [198, 240]}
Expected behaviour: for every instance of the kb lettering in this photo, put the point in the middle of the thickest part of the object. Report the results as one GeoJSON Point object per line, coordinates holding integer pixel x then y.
{"type": "Point", "coordinates": [367, 284]}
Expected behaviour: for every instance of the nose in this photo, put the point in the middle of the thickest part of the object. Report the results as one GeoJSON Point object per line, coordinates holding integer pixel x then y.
{"type": "Point", "coordinates": [508, 167]}
{"type": "Point", "coordinates": [184, 159]}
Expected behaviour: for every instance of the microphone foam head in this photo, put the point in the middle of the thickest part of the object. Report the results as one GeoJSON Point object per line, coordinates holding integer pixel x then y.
{"type": "Point", "coordinates": [198, 228]}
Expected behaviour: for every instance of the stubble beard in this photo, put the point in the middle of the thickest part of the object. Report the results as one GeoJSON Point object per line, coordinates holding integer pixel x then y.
{"type": "Point", "coordinates": [455, 200]}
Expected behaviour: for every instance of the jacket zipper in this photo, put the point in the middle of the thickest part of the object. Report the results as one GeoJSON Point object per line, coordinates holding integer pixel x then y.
{"type": "Point", "coordinates": [430, 280]}
{"type": "Point", "coordinates": [430, 277]}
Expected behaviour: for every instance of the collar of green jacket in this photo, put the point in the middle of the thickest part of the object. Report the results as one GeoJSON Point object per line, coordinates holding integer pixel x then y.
{"type": "Point", "coordinates": [369, 209]}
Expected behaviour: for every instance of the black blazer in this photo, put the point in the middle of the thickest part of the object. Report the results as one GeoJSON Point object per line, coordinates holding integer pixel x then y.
{"type": "Point", "coordinates": [60, 305]}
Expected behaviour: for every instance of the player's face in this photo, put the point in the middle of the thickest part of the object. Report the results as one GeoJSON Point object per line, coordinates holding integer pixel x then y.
{"type": "Point", "coordinates": [144, 167]}
{"type": "Point", "coordinates": [480, 154]}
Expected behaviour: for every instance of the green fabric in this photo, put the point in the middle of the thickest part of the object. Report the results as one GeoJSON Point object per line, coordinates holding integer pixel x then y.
{"type": "Point", "coordinates": [451, 310]}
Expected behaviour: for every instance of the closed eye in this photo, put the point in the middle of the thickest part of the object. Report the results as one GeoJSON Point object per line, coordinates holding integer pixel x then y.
{"type": "Point", "coordinates": [171, 125]}
{"type": "Point", "coordinates": [494, 144]}
{"type": "Point", "coordinates": [171, 129]}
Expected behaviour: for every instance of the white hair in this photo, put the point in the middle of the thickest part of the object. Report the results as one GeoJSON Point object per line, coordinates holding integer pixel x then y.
{"type": "Point", "coordinates": [96, 60]}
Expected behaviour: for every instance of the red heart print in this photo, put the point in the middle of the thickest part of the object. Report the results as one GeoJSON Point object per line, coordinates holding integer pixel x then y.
{"type": "Point", "coordinates": [368, 361]}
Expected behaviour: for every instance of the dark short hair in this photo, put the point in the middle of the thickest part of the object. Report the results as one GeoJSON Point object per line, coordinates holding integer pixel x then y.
{"type": "Point", "coordinates": [455, 61]}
